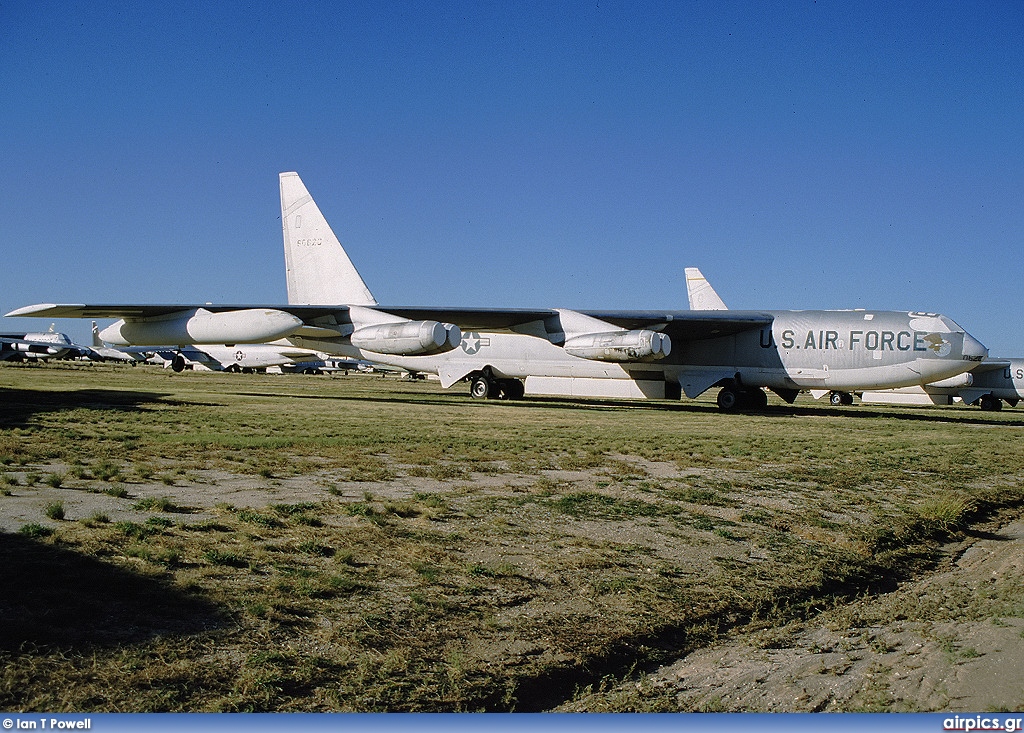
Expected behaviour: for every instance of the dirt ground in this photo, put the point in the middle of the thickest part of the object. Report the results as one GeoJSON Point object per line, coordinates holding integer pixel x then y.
{"type": "Point", "coordinates": [952, 641]}
{"type": "Point", "coordinates": [939, 643]}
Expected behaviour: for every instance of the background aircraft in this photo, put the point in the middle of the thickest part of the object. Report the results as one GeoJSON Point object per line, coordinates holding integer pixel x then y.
{"type": "Point", "coordinates": [39, 345]}
{"type": "Point", "coordinates": [987, 385]}
{"type": "Point", "coordinates": [506, 353]}
{"type": "Point", "coordinates": [234, 358]}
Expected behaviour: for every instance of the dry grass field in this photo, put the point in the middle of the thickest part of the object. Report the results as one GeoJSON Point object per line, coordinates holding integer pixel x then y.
{"type": "Point", "coordinates": [218, 542]}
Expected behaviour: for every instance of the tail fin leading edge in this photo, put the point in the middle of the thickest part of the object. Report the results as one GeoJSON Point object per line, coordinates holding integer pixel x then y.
{"type": "Point", "coordinates": [318, 270]}
{"type": "Point", "coordinates": [700, 293]}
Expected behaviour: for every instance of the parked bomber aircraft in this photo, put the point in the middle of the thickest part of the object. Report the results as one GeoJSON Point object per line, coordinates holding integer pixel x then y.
{"type": "Point", "coordinates": [238, 357]}
{"type": "Point", "coordinates": [987, 385]}
{"type": "Point", "coordinates": [40, 345]}
{"type": "Point", "coordinates": [510, 352]}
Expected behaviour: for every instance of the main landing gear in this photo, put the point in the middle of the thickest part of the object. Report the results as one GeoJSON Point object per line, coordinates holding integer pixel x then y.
{"type": "Point", "coordinates": [989, 403]}
{"type": "Point", "coordinates": [734, 398]}
{"type": "Point", "coordinates": [840, 398]}
{"type": "Point", "coordinates": [486, 387]}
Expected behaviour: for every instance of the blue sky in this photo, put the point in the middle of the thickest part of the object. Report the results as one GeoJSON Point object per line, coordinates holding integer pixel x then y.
{"type": "Point", "coordinates": [521, 154]}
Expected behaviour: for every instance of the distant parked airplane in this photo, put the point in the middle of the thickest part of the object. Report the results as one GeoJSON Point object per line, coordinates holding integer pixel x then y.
{"type": "Point", "coordinates": [38, 346]}
{"type": "Point", "coordinates": [987, 385]}
{"type": "Point", "coordinates": [237, 358]}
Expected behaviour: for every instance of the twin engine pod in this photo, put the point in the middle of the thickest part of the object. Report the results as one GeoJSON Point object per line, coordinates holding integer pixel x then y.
{"type": "Point", "coordinates": [620, 346]}
{"type": "Point", "coordinates": [36, 349]}
{"type": "Point", "coordinates": [407, 338]}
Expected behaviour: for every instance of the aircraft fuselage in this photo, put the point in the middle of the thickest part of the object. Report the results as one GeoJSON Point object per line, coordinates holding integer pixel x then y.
{"type": "Point", "coordinates": [798, 350]}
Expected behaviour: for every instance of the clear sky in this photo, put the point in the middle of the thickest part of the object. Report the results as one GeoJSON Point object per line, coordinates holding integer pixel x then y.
{"type": "Point", "coordinates": [520, 154]}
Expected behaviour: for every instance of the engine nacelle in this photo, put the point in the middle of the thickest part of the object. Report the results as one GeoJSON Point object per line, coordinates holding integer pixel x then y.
{"type": "Point", "coordinates": [407, 338]}
{"type": "Point", "coordinates": [960, 380]}
{"type": "Point", "coordinates": [620, 346]}
{"type": "Point", "coordinates": [37, 349]}
{"type": "Point", "coordinates": [200, 326]}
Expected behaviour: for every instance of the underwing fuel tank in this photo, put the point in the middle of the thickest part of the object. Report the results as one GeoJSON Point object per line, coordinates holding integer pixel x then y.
{"type": "Point", "coordinates": [620, 346]}
{"type": "Point", "coordinates": [407, 338]}
{"type": "Point", "coordinates": [200, 326]}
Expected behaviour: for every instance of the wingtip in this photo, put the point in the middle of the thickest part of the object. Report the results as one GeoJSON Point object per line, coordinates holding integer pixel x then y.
{"type": "Point", "coordinates": [27, 310]}
{"type": "Point", "coordinates": [39, 309]}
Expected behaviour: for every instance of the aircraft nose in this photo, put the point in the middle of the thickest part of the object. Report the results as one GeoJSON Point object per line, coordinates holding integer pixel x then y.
{"type": "Point", "coordinates": [974, 348]}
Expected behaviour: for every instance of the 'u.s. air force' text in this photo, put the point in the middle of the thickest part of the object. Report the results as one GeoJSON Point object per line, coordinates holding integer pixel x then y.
{"type": "Point", "coordinates": [870, 340]}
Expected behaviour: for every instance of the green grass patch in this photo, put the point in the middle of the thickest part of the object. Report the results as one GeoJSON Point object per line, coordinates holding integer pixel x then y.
{"type": "Point", "coordinates": [551, 561]}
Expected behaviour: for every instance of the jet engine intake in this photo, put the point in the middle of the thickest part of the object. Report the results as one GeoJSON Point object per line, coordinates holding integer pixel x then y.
{"type": "Point", "coordinates": [407, 338]}
{"type": "Point", "coordinates": [644, 345]}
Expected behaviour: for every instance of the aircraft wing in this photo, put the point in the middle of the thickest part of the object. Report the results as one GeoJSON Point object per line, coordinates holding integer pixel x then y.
{"type": "Point", "coordinates": [81, 310]}
{"type": "Point", "coordinates": [680, 325]}
{"type": "Point", "coordinates": [687, 325]}
{"type": "Point", "coordinates": [478, 319]}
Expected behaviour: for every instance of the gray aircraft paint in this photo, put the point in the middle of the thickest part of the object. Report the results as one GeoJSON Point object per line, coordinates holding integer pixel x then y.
{"type": "Point", "coordinates": [997, 379]}
{"type": "Point", "coordinates": [799, 350]}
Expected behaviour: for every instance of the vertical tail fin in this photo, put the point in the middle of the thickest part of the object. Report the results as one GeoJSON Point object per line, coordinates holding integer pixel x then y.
{"type": "Point", "coordinates": [96, 340]}
{"type": "Point", "coordinates": [702, 296]}
{"type": "Point", "coordinates": [318, 270]}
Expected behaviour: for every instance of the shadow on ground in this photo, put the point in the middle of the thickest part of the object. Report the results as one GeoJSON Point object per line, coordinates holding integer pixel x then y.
{"type": "Point", "coordinates": [54, 597]}
{"type": "Point", "coordinates": [20, 405]}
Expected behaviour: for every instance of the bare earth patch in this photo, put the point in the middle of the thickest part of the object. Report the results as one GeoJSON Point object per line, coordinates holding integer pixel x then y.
{"type": "Point", "coordinates": [950, 641]}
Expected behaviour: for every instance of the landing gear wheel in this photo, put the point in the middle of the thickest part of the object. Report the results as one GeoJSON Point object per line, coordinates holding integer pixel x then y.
{"type": "Point", "coordinates": [510, 389]}
{"type": "Point", "coordinates": [731, 399]}
{"type": "Point", "coordinates": [840, 398]}
{"type": "Point", "coordinates": [991, 404]}
{"type": "Point", "coordinates": [728, 399]}
{"type": "Point", "coordinates": [178, 363]}
{"type": "Point", "coordinates": [482, 388]}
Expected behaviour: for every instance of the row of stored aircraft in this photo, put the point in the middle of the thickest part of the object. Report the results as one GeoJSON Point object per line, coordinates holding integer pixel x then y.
{"type": "Point", "coordinates": [508, 353]}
